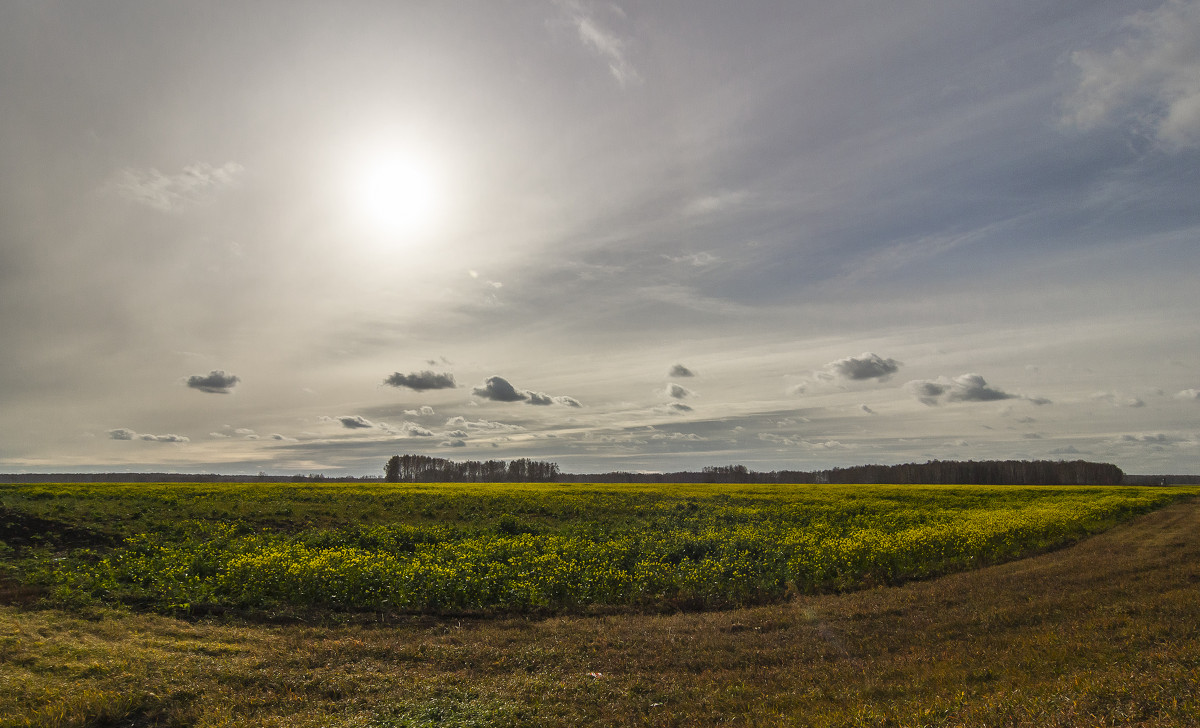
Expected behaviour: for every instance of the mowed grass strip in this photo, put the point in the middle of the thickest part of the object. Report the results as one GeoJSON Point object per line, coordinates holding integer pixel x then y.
{"type": "Point", "coordinates": [1104, 632]}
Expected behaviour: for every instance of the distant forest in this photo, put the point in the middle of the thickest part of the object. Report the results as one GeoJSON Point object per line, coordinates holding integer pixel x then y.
{"type": "Point", "coordinates": [425, 469]}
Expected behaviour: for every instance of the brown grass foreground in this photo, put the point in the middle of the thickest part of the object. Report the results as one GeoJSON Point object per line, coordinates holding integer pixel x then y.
{"type": "Point", "coordinates": [1105, 633]}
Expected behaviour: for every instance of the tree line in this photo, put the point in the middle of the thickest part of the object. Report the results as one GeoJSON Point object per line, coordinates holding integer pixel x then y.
{"type": "Point", "coordinates": [425, 469]}
{"type": "Point", "coordinates": [933, 472]}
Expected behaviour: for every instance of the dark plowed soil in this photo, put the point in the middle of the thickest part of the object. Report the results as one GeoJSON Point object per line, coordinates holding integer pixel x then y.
{"type": "Point", "coordinates": [21, 530]}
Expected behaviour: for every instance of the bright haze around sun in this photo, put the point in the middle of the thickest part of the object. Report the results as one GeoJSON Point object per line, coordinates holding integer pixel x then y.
{"type": "Point", "coordinates": [304, 237]}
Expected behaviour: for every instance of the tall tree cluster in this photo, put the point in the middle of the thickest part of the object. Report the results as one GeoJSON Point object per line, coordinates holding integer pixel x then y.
{"type": "Point", "coordinates": [425, 469]}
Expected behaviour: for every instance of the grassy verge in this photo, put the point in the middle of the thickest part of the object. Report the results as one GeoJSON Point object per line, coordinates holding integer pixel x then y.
{"type": "Point", "coordinates": [1101, 633]}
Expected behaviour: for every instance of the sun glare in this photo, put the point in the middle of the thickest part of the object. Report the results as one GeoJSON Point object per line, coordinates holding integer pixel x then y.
{"type": "Point", "coordinates": [395, 193]}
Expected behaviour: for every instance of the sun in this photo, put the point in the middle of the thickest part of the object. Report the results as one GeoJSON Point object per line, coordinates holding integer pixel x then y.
{"type": "Point", "coordinates": [395, 193]}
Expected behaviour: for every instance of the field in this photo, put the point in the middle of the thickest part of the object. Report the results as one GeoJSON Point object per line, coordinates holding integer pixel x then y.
{"type": "Point", "coordinates": [414, 605]}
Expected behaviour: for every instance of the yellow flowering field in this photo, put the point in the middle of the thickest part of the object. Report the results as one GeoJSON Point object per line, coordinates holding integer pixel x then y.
{"type": "Point", "coordinates": [446, 548]}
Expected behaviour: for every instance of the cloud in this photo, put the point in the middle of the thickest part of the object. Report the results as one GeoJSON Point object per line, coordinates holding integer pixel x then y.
{"type": "Point", "coordinates": [355, 422]}
{"type": "Point", "coordinates": [1118, 401]}
{"type": "Point", "coordinates": [421, 381]}
{"type": "Point", "coordinates": [539, 398]}
{"type": "Point", "coordinates": [283, 438]}
{"type": "Point", "coordinates": [865, 366]}
{"type": "Point", "coordinates": [680, 370]}
{"type": "Point", "coordinates": [458, 434]}
{"type": "Point", "coordinates": [216, 382]}
{"type": "Point", "coordinates": [452, 443]}
{"type": "Point", "coordinates": [1151, 80]}
{"type": "Point", "coordinates": [866, 409]}
{"type": "Point", "coordinates": [675, 391]}
{"type": "Point", "coordinates": [197, 184]}
{"type": "Point", "coordinates": [1188, 395]}
{"type": "Point", "coordinates": [124, 433]}
{"type": "Point", "coordinates": [424, 411]}
{"type": "Point", "coordinates": [697, 260]}
{"type": "Point", "coordinates": [165, 438]}
{"type": "Point", "coordinates": [498, 389]}
{"type": "Point", "coordinates": [926, 391]}
{"type": "Point", "coordinates": [600, 39]}
{"type": "Point", "coordinates": [973, 388]}
{"type": "Point", "coordinates": [461, 421]}
{"type": "Point", "coordinates": [678, 407]}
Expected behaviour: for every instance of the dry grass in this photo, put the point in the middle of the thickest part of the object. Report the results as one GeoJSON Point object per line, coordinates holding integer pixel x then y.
{"type": "Point", "coordinates": [1104, 633]}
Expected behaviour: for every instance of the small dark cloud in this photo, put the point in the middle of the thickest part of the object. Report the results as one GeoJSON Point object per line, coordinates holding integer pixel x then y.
{"type": "Point", "coordinates": [866, 409]}
{"type": "Point", "coordinates": [679, 407]}
{"type": "Point", "coordinates": [1031, 436]}
{"type": "Point", "coordinates": [973, 388]}
{"type": "Point", "coordinates": [680, 370]}
{"type": "Point", "coordinates": [216, 382]}
{"type": "Point", "coordinates": [121, 433]}
{"type": "Point", "coordinates": [926, 391]}
{"type": "Point", "coordinates": [421, 381]}
{"type": "Point", "coordinates": [963, 388]}
{"type": "Point", "coordinates": [866, 366]}
{"type": "Point", "coordinates": [498, 389]}
{"type": "Point", "coordinates": [677, 392]}
{"type": "Point", "coordinates": [452, 443]}
{"type": "Point", "coordinates": [1039, 401]}
{"type": "Point", "coordinates": [457, 434]}
{"type": "Point", "coordinates": [355, 422]}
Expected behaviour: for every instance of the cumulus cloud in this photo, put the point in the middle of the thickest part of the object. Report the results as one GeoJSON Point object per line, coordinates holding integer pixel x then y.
{"type": "Point", "coordinates": [354, 422]}
{"type": "Point", "coordinates": [1151, 80]}
{"type": "Point", "coordinates": [405, 429]}
{"type": "Point", "coordinates": [539, 398]}
{"type": "Point", "coordinates": [963, 388]}
{"type": "Point", "coordinates": [196, 184]}
{"type": "Point", "coordinates": [215, 382]}
{"type": "Point", "coordinates": [124, 433]}
{"type": "Point", "coordinates": [678, 407]}
{"type": "Point", "coordinates": [1188, 395]}
{"type": "Point", "coordinates": [973, 388]}
{"type": "Point", "coordinates": [421, 381]}
{"type": "Point", "coordinates": [926, 391]}
{"type": "Point", "coordinates": [463, 422]}
{"type": "Point", "coordinates": [674, 391]}
{"type": "Point", "coordinates": [452, 443]}
{"type": "Point", "coordinates": [498, 389]}
{"type": "Point", "coordinates": [165, 438]}
{"type": "Point", "coordinates": [865, 366]}
{"type": "Point", "coordinates": [457, 434]}
{"type": "Point", "coordinates": [680, 370]}
{"type": "Point", "coordinates": [424, 411]}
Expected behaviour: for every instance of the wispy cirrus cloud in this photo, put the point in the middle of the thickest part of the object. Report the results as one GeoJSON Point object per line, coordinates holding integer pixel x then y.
{"type": "Point", "coordinates": [196, 184]}
{"type": "Point", "coordinates": [1150, 80]}
{"type": "Point", "coordinates": [600, 39]}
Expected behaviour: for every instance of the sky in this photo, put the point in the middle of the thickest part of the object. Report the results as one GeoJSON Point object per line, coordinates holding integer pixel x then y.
{"type": "Point", "coordinates": [301, 237]}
